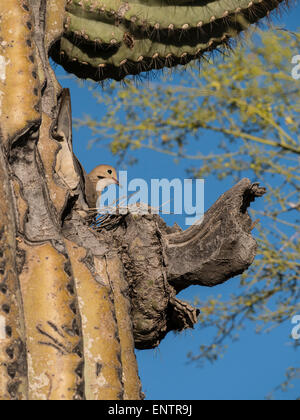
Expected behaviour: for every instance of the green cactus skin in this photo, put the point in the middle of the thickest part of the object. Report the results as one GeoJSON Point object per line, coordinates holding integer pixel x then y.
{"type": "Point", "coordinates": [113, 38]}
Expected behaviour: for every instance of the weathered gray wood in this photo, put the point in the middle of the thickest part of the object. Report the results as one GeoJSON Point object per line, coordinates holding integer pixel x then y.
{"type": "Point", "coordinates": [220, 247]}
{"type": "Point", "coordinates": [160, 261]}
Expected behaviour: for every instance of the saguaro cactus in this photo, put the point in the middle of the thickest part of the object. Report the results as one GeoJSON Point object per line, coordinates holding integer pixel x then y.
{"type": "Point", "coordinates": [74, 302]}
{"type": "Point", "coordinates": [111, 39]}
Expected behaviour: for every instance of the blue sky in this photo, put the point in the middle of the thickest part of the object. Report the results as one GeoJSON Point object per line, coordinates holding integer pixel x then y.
{"type": "Point", "coordinates": [252, 366]}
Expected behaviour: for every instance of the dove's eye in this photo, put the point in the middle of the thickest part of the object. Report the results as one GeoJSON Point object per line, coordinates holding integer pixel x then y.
{"type": "Point", "coordinates": [109, 171]}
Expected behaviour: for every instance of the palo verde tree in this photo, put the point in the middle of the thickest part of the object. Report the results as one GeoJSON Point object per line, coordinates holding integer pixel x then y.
{"type": "Point", "coordinates": [74, 302]}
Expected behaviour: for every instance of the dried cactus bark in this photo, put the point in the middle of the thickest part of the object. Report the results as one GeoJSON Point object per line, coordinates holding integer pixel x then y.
{"type": "Point", "coordinates": [117, 38]}
{"type": "Point", "coordinates": [160, 261]}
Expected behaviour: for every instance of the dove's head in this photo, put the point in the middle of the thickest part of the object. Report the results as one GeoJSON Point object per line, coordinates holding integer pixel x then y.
{"type": "Point", "coordinates": [102, 176]}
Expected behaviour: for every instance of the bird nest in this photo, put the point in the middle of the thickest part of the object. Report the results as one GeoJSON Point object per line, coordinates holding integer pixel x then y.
{"type": "Point", "coordinates": [110, 217]}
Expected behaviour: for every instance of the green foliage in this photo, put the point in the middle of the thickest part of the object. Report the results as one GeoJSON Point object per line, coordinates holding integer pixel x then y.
{"type": "Point", "coordinates": [252, 103]}
{"type": "Point", "coordinates": [114, 39]}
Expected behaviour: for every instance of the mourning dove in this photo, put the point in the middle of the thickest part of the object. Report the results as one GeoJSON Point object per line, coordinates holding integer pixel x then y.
{"type": "Point", "coordinates": [96, 181]}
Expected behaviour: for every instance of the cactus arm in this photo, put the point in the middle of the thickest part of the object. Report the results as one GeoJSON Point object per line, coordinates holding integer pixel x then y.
{"type": "Point", "coordinates": [113, 39]}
